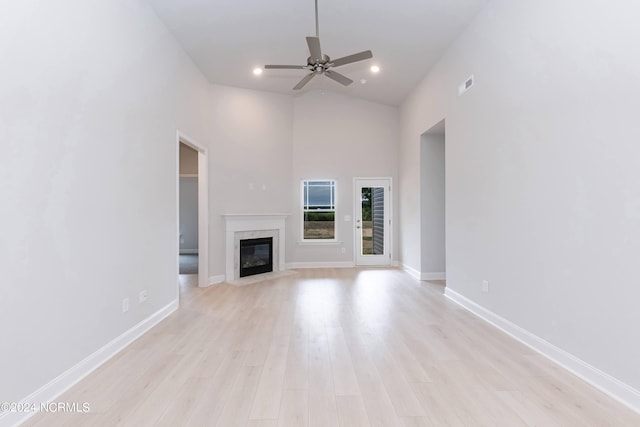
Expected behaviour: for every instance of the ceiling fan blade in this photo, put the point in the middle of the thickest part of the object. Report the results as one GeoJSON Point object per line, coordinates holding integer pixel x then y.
{"type": "Point", "coordinates": [304, 81]}
{"type": "Point", "coordinates": [338, 77]}
{"type": "Point", "coordinates": [314, 49]}
{"type": "Point", "coordinates": [285, 67]}
{"type": "Point", "coordinates": [352, 58]}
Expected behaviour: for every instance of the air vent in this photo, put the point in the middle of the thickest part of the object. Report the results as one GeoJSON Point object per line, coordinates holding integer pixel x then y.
{"type": "Point", "coordinates": [466, 85]}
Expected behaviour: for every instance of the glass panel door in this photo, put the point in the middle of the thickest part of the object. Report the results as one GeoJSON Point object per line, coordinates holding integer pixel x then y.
{"type": "Point", "coordinates": [372, 221]}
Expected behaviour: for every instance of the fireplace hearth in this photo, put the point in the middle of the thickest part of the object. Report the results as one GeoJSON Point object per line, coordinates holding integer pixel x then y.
{"type": "Point", "coordinates": [256, 256]}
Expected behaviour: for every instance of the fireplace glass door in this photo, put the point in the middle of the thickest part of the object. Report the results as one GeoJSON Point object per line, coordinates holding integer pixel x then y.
{"type": "Point", "coordinates": [256, 256]}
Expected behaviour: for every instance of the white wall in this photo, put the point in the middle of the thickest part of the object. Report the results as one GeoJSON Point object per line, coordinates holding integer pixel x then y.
{"type": "Point", "coordinates": [542, 172]}
{"type": "Point", "coordinates": [263, 144]}
{"type": "Point", "coordinates": [249, 159]}
{"type": "Point", "coordinates": [91, 95]}
{"type": "Point", "coordinates": [335, 137]}
{"type": "Point", "coordinates": [432, 204]}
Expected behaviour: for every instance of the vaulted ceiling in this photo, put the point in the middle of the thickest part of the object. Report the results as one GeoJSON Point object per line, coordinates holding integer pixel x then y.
{"type": "Point", "coordinates": [228, 39]}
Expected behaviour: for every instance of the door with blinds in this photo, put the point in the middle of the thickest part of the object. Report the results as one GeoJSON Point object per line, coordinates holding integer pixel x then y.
{"type": "Point", "coordinates": [372, 221]}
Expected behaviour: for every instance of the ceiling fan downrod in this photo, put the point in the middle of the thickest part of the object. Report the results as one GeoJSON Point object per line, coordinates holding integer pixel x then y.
{"type": "Point", "coordinates": [317, 27]}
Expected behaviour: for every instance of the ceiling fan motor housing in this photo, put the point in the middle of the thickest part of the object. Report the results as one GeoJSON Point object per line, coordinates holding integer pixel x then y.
{"type": "Point", "coordinates": [319, 66]}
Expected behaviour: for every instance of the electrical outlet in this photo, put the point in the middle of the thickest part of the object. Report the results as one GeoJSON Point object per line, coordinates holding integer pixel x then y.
{"type": "Point", "coordinates": [143, 295]}
{"type": "Point", "coordinates": [344, 250]}
{"type": "Point", "coordinates": [125, 305]}
{"type": "Point", "coordinates": [485, 286]}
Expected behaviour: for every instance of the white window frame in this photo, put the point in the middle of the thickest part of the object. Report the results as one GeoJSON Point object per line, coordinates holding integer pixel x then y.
{"type": "Point", "coordinates": [335, 213]}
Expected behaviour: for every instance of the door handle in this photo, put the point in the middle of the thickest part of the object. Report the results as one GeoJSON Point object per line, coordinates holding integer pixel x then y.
{"type": "Point", "coordinates": [357, 226]}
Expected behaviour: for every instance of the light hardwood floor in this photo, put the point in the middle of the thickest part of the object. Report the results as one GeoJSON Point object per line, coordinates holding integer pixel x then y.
{"type": "Point", "coordinates": [332, 347]}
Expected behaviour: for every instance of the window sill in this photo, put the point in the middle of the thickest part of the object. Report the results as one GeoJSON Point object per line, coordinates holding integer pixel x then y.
{"type": "Point", "coordinates": [319, 242]}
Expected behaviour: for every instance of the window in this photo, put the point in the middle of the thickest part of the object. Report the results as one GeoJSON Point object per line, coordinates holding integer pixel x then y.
{"type": "Point", "coordinates": [319, 210]}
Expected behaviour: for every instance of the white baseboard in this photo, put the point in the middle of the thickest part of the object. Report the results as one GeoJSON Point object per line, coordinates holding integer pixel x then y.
{"type": "Point", "coordinates": [615, 388]}
{"type": "Point", "coordinates": [433, 276]}
{"type": "Point", "coordinates": [216, 280]}
{"type": "Point", "coordinates": [73, 375]}
{"type": "Point", "coordinates": [342, 264]}
{"type": "Point", "coordinates": [188, 252]}
{"type": "Point", "coordinates": [412, 271]}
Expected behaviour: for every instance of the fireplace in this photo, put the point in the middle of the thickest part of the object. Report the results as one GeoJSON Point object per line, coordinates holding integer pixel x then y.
{"type": "Point", "coordinates": [256, 256]}
{"type": "Point", "coordinates": [253, 226]}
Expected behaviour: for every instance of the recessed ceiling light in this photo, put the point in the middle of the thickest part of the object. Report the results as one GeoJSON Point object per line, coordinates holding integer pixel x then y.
{"type": "Point", "coordinates": [363, 81]}
{"type": "Point", "coordinates": [257, 71]}
{"type": "Point", "coordinates": [375, 68]}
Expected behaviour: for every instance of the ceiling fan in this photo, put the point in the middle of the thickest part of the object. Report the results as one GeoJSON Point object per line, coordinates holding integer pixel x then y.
{"type": "Point", "coordinates": [318, 63]}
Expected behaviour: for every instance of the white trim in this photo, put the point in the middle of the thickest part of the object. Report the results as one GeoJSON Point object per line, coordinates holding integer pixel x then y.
{"type": "Point", "coordinates": [433, 276]}
{"type": "Point", "coordinates": [253, 216]}
{"type": "Point", "coordinates": [63, 382]}
{"type": "Point", "coordinates": [329, 264]}
{"type": "Point", "coordinates": [319, 242]}
{"type": "Point", "coordinates": [203, 218]}
{"type": "Point", "coordinates": [412, 271]}
{"type": "Point", "coordinates": [216, 280]}
{"type": "Point", "coordinates": [188, 252]}
{"type": "Point", "coordinates": [615, 388]}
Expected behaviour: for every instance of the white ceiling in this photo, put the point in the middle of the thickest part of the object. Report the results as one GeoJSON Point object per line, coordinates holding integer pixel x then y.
{"type": "Point", "coordinates": [228, 39]}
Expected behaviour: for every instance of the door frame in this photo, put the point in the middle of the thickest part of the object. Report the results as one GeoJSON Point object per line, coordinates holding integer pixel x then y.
{"type": "Point", "coordinates": [203, 208]}
{"type": "Point", "coordinates": [389, 223]}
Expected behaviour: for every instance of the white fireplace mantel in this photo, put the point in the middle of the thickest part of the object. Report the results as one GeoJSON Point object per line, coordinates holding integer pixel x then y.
{"type": "Point", "coordinates": [236, 224]}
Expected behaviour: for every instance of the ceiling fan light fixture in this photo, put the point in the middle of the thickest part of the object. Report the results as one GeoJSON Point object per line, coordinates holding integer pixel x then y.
{"type": "Point", "coordinates": [257, 71]}
{"type": "Point", "coordinates": [317, 63]}
{"type": "Point", "coordinates": [375, 69]}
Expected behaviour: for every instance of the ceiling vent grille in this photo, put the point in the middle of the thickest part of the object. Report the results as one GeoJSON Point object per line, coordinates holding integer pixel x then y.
{"type": "Point", "coordinates": [468, 83]}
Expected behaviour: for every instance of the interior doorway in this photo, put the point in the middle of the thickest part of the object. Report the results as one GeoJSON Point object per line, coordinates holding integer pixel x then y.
{"type": "Point", "coordinates": [432, 203]}
{"type": "Point", "coordinates": [372, 232]}
{"type": "Point", "coordinates": [188, 216]}
{"type": "Point", "coordinates": [192, 208]}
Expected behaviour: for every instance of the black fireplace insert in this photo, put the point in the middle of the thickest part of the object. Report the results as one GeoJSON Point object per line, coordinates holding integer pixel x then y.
{"type": "Point", "coordinates": [256, 256]}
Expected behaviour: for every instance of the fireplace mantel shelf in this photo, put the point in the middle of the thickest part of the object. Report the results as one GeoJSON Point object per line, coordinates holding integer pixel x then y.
{"type": "Point", "coordinates": [240, 215]}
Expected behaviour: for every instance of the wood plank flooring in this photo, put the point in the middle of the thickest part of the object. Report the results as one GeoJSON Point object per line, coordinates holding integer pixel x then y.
{"type": "Point", "coordinates": [332, 347]}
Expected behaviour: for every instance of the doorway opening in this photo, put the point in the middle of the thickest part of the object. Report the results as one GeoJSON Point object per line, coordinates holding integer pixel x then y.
{"type": "Point", "coordinates": [192, 207]}
{"type": "Point", "coordinates": [188, 218]}
{"type": "Point", "coordinates": [432, 204]}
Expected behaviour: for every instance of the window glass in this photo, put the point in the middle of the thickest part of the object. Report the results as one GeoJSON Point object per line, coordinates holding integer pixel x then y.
{"type": "Point", "coordinates": [318, 199]}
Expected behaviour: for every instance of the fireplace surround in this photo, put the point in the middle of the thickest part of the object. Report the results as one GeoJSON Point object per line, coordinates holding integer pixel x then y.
{"type": "Point", "coordinates": [253, 226]}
